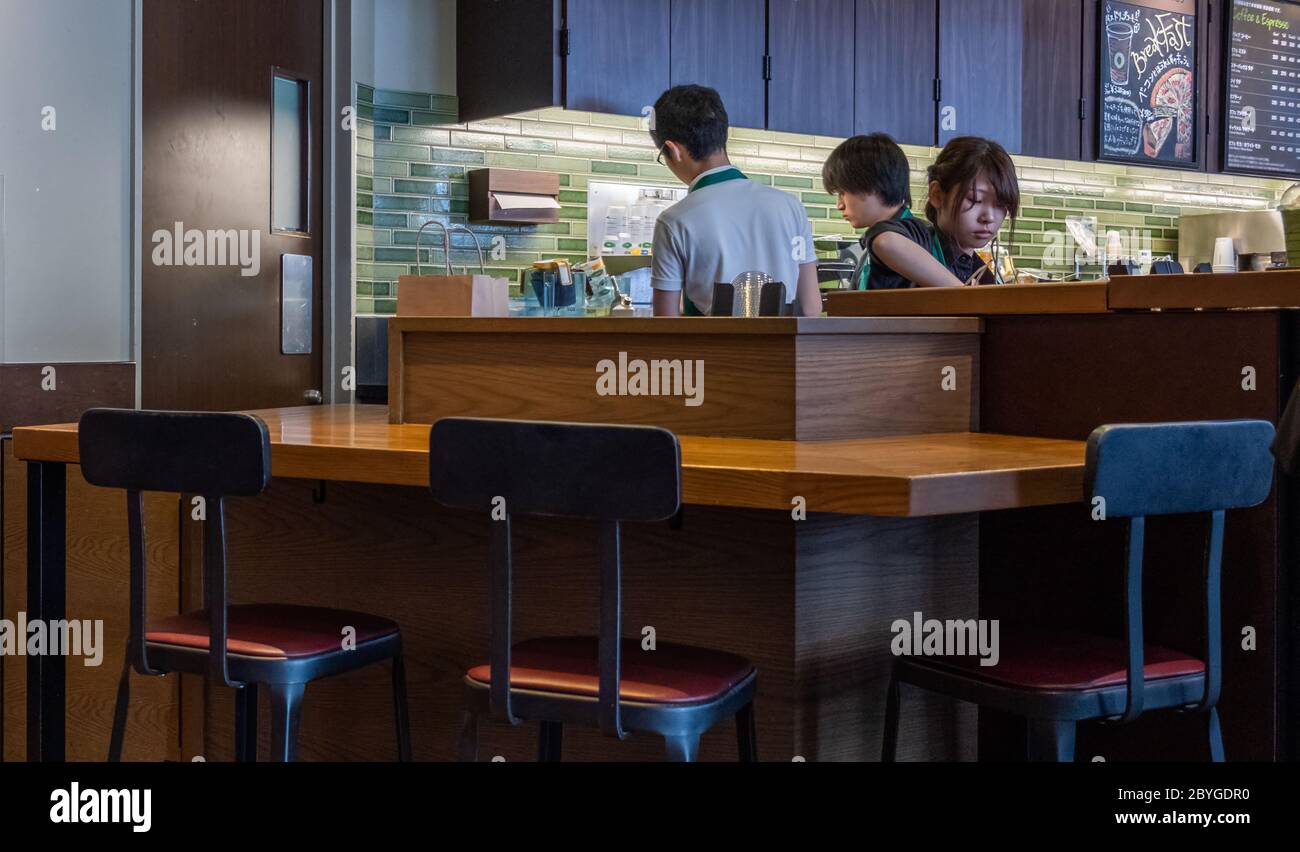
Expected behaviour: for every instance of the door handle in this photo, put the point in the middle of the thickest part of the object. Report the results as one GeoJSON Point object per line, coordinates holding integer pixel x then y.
{"type": "Point", "coordinates": [313, 397]}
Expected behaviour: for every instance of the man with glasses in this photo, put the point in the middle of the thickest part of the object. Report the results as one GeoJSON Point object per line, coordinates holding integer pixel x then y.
{"type": "Point", "coordinates": [727, 225]}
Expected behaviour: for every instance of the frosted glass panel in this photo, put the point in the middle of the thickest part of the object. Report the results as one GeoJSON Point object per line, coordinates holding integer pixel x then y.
{"type": "Point", "coordinates": [295, 304]}
{"type": "Point", "coordinates": [288, 156]}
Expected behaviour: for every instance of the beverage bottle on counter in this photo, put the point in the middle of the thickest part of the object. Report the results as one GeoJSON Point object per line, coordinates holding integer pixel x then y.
{"type": "Point", "coordinates": [636, 228]}
{"type": "Point", "coordinates": [615, 230]}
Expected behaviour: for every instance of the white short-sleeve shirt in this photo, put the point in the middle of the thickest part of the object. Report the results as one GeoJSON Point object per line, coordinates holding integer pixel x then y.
{"type": "Point", "coordinates": [722, 230]}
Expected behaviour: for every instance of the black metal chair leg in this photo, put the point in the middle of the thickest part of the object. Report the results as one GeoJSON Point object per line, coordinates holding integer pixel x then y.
{"type": "Point", "coordinates": [467, 750]}
{"type": "Point", "coordinates": [286, 714]}
{"type": "Point", "coordinates": [746, 737]}
{"type": "Point", "coordinates": [550, 739]}
{"type": "Point", "coordinates": [119, 713]}
{"type": "Point", "coordinates": [246, 724]}
{"type": "Point", "coordinates": [1051, 740]}
{"type": "Point", "coordinates": [1216, 736]}
{"type": "Point", "coordinates": [682, 748]}
{"type": "Point", "coordinates": [401, 717]}
{"type": "Point", "coordinates": [889, 743]}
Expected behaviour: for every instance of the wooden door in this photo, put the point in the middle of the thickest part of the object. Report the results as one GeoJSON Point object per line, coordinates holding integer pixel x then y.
{"type": "Point", "coordinates": [618, 54]}
{"type": "Point", "coordinates": [507, 69]}
{"type": "Point", "coordinates": [1052, 116]}
{"type": "Point", "coordinates": [896, 67]}
{"type": "Point", "coordinates": [980, 70]}
{"type": "Point", "coordinates": [811, 45]}
{"type": "Point", "coordinates": [721, 43]}
{"type": "Point", "coordinates": [211, 330]}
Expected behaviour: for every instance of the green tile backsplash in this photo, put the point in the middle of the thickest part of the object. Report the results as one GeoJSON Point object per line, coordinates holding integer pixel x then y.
{"type": "Point", "coordinates": [412, 156]}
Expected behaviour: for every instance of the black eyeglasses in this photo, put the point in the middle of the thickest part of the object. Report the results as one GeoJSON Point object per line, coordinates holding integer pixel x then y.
{"type": "Point", "coordinates": [660, 159]}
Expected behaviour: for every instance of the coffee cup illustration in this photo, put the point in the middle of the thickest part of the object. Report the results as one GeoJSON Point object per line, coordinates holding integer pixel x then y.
{"type": "Point", "coordinates": [1119, 36]}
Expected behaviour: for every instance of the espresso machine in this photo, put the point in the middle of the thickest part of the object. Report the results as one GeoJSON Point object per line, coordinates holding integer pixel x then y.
{"type": "Point", "coordinates": [1263, 239]}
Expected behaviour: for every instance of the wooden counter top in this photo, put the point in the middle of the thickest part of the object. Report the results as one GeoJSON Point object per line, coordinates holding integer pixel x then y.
{"type": "Point", "coordinates": [937, 302]}
{"type": "Point", "coordinates": [1279, 289]}
{"type": "Point", "coordinates": [896, 476]}
{"type": "Point", "coordinates": [687, 325]}
{"type": "Point", "coordinates": [1237, 290]}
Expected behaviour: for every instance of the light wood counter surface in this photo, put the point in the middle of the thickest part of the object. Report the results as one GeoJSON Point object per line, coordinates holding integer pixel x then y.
{"type": "Point", "coordinates": [904, 476]}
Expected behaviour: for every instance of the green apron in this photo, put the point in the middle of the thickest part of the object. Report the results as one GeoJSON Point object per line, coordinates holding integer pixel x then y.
{"type": "Point", "coordinates": [732, 173]}
{"type": "Point", "coordinates": [936, 251]}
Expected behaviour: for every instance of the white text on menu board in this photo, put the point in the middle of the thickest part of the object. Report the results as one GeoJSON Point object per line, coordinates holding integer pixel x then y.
{"type": "Point", "coordinates": [1167, 33]}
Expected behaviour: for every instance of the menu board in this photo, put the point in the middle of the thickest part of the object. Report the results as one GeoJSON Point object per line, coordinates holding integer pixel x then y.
{"type": "Point", "coordinates": [1148, 83]}
{"type": "Point", "coordinates": [1262, 89]}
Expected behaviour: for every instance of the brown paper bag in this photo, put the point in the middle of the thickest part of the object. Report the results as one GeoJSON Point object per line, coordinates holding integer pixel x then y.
{"type": "Point", "coordinates": [450, 295]}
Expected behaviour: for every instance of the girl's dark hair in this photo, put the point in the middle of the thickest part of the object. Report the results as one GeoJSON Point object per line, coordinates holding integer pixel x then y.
{"type": "Point", "coordinates": [962, 162]}
{"type": "Point", "coordinates": [866, 164]}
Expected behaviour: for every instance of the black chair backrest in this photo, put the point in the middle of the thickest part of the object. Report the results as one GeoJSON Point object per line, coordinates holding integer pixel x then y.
{"type": "Point", "coordinates": [1177, 468]}
{"type": "Point", "coordinates": [211, 455]}
{"type": "Point", "coordinates": [1138, 470]}
{"type": "Point", "coordinates": [216, 455]}
{"type": "Point", "coordinates": [573, 470]}
{"type": "Point", "coordinates": [608, 474]}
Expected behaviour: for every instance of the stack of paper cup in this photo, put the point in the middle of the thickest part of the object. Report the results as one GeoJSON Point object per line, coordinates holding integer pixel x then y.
{"type": "Point", "coordinates": [1225, 255]}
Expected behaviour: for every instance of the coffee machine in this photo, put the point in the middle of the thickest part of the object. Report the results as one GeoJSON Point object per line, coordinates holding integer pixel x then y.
{"type": "Point", "coordinates": [1263, 239]}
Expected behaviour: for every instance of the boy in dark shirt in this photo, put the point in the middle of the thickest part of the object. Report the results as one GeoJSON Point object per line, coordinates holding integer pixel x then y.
{"type": "Point", "coordinates": [870, 177]}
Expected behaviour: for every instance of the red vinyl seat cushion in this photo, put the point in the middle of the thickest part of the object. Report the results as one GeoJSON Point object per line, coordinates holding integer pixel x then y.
{"type": "Point", "coordinates": [272, 630]}
{"type": "Point", "coordinates": [1065, 661]}
{"type": "Point", "coordinates": [670, 674]}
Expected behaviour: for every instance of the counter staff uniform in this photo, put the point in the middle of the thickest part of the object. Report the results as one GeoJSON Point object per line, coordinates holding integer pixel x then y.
{"type": "Point", "coordinates": [872, 273]}
{"type": "Point", "coordinates": [725, 226]}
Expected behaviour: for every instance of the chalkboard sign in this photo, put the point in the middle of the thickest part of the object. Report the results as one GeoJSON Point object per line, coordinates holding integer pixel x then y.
{"type": "Point", "coordinates": [1261, 110]}
{"type": "Point", "coordinates": [1148, 83]}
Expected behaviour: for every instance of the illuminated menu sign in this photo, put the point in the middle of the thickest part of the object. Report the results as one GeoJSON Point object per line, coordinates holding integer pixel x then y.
{"type": "Point", "coordinates": [1261, 112]}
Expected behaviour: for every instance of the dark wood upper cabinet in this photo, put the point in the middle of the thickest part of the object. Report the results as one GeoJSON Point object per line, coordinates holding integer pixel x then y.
{"type": "Point", "coordinates": [1022, 72]}
{"type": "Point", "coordinates": [618, 54]}
{"type": "Point", "coordinates": [1052, 121]}
{"type": "Point", "coordinates": [896, 65]}
{"type": "Point", "coordinates": [812, 51]}
{"type": "Point", "coordinates": [980, 52]}
{"type": "Point", "coordinates": [721, 43]}
{"type": "Point", "coordinates": [504, 69]}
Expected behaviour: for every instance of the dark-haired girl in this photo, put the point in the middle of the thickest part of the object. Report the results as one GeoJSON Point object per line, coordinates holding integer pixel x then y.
{"type": "Point", "coordinates": [973, 190]}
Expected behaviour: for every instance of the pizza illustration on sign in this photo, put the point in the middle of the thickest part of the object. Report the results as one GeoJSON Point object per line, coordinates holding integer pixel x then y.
{"type": "Point", "coordinates": [1175, 91]}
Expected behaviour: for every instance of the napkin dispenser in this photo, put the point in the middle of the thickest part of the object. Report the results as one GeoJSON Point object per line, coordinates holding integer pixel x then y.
{"type": "Point", "coordinates": [513, 197]}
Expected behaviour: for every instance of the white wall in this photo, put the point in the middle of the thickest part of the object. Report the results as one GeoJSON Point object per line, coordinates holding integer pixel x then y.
{"type": "Point", "coordinates": [66, 293]}
{"type": "Point", "coordinates": [363, 41]}
{"type": "Point", "coordinates": [409, 44]}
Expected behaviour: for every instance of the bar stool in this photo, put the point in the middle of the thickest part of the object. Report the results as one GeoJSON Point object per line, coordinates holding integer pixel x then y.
{"type": "Point", "coordinates": [1056, 679]}
{"type": "Point", "coordinates": [279, 646]}
{"type": "Point", "coordinates": [606, 474]}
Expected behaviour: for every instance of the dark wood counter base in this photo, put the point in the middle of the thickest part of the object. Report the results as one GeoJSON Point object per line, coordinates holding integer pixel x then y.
{"type": "Point", "coordinates": [1060, 377]}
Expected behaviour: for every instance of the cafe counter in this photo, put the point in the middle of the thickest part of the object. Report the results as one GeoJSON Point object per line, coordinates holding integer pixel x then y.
{"type": "Point", "coordinates": [1058, 360]}
{"type": "Point", "coordinates": [832, 475]}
